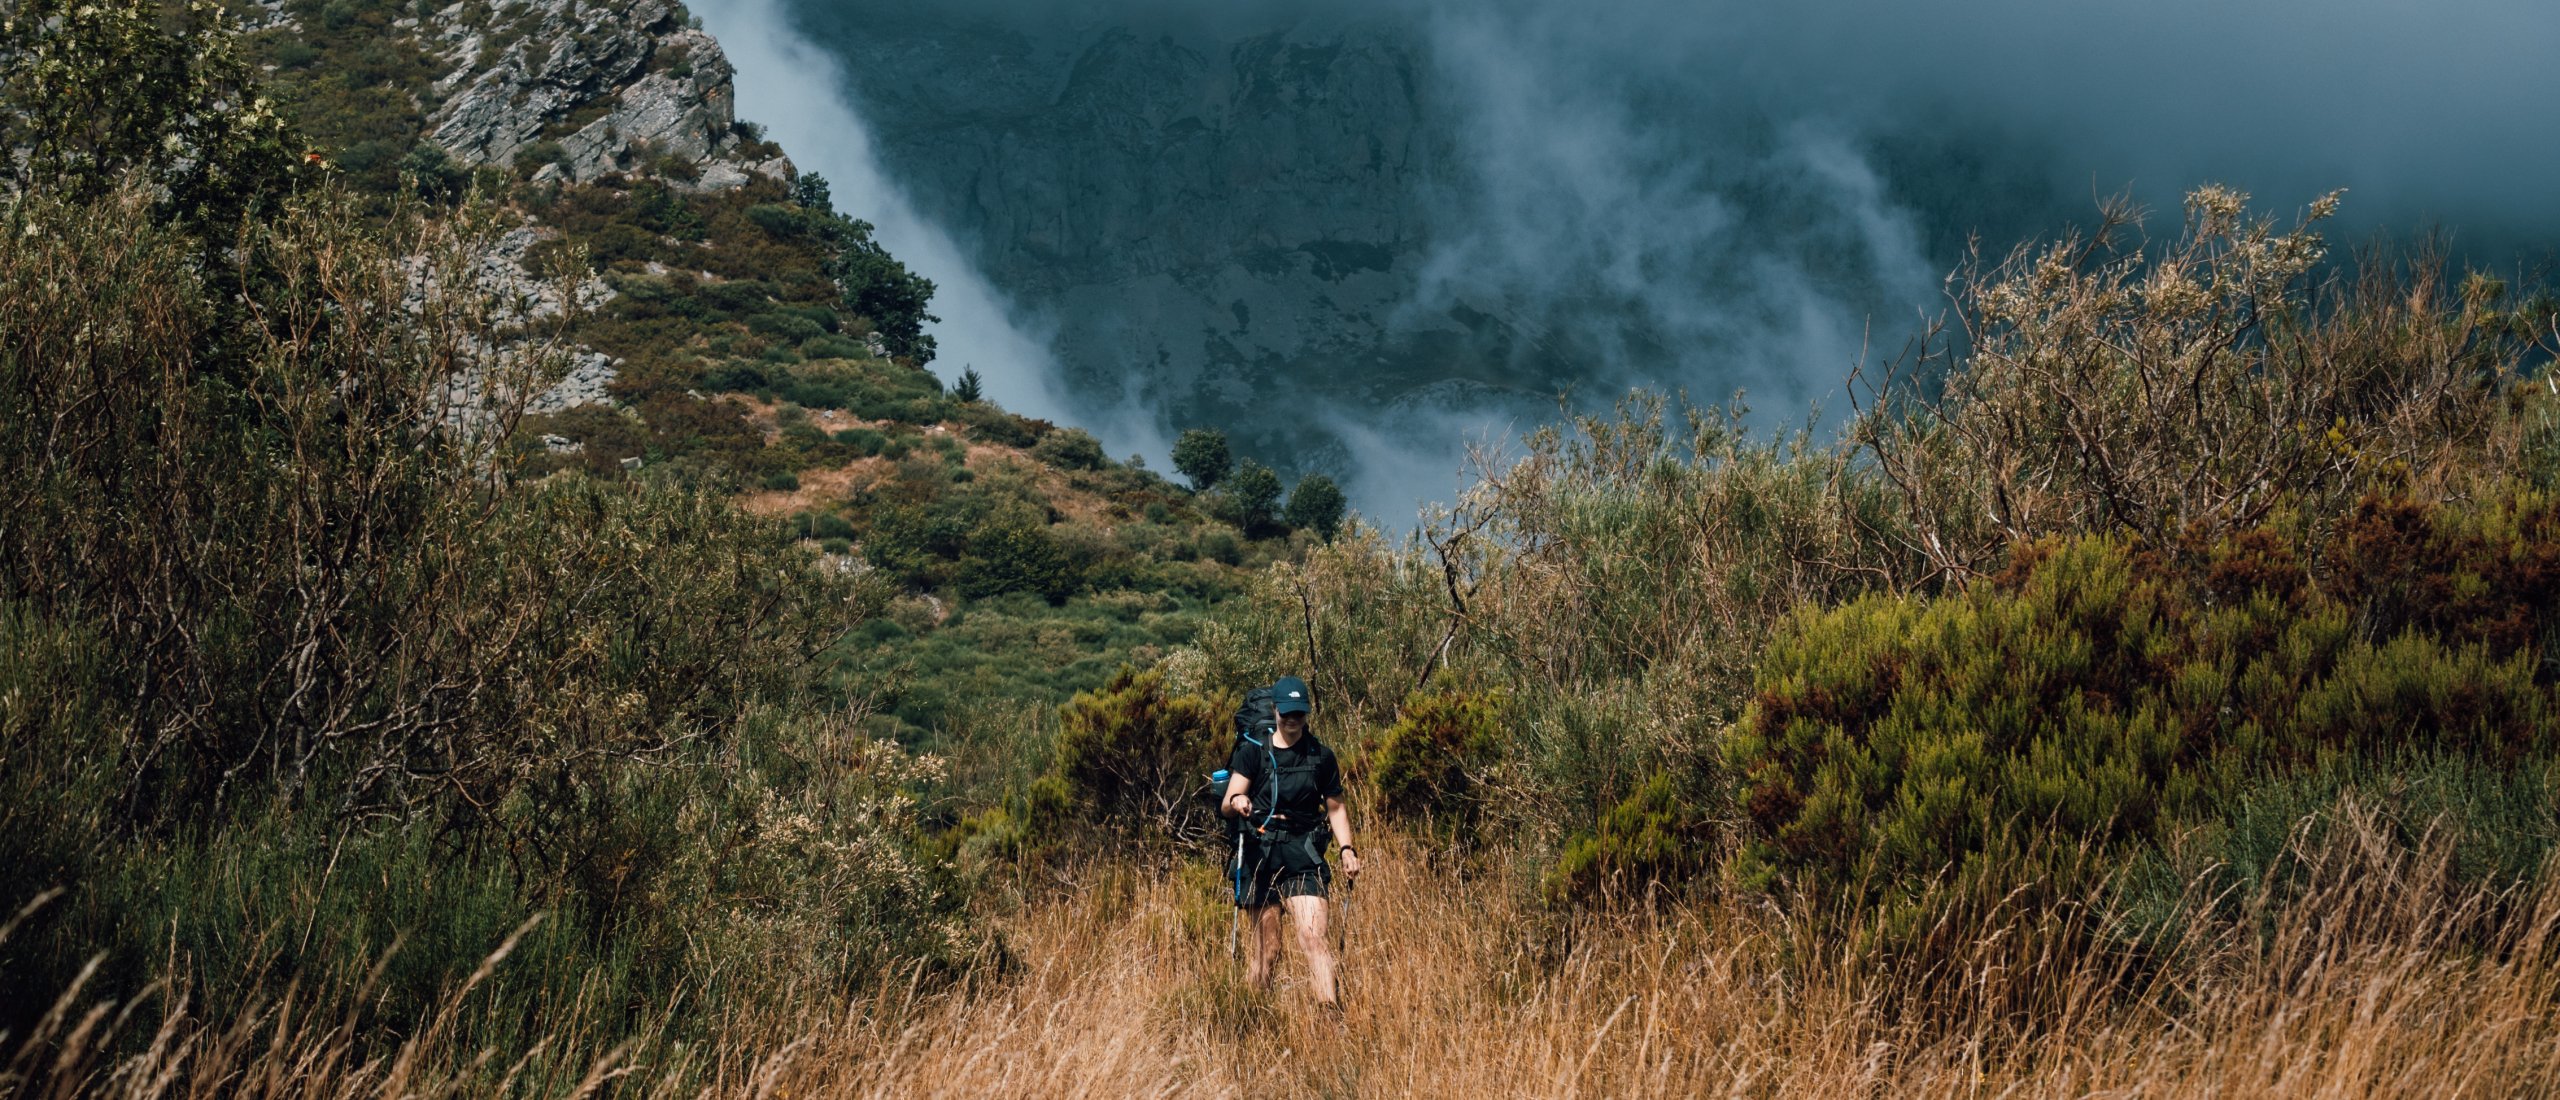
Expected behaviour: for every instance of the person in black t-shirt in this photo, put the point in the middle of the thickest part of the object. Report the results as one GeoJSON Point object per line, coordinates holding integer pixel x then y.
{"type": "Point", "coordinates": [1289, 793]}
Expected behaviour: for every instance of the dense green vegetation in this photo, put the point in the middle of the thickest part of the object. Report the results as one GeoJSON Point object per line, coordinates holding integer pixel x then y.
{"type": "Point", "coordinates": [2178, 544]}
{"type": "Point", "coordinates": [317, 668]}
{"type": "Point", "coordinates": [776, 677]}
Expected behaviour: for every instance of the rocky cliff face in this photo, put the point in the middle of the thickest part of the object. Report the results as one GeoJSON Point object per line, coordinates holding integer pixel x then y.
{"type": "Point", "coordinates": [589, 88]}
{"type": "Point", "coordinates": [567, 91]}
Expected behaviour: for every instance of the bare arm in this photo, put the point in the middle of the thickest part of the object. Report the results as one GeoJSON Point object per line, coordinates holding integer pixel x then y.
{"type": "Point", "coordinates": [1339, 815]}
{"type": "Point", "coordinates": [1236, 803]}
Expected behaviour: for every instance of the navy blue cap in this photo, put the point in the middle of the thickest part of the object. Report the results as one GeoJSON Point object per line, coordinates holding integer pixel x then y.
{"type": "Point", "coordinates": [1289, 696]}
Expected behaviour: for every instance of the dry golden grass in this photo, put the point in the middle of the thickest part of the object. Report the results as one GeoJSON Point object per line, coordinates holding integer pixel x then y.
{"type": "Point", "coordinates": [2382, 983]}
{"type": "Point", "coordinates": [1129, 992]}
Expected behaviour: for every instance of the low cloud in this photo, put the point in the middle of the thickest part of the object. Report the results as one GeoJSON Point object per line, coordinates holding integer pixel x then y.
{"type": "Point", "coordinates": [1718, 196]}
{"type": "Point", "coordinates": [797, 93]}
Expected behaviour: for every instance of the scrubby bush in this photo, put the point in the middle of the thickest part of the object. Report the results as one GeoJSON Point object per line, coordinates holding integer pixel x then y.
{"type": "Point", "coordinates": [1136, 756]}
{"type": "Point", "coordinates": [863, 442]}
{"type": "Point", "coordinates": [785, 326]}
{"type": "Point", "coordinates": [1430, 764]}
{"type": "Point", "coordinates": [2208, 381]}
{"type": "Point", "coordinates": [1070, 449]}
{"type": "Point", "coordinates": [339, 651]}
{"type": "Point", "coordinates": [1012, 553]}
{"type": "Point", "coordinates": [998, 426]}
{"type": "Point", "coordinates": [1661, 838]}
{"type": "Point", "coordinates": [2088, 699]}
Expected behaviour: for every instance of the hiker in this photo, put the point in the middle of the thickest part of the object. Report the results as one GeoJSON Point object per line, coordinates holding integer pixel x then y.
{"type": "Point", "coordinates": [1289, 819]}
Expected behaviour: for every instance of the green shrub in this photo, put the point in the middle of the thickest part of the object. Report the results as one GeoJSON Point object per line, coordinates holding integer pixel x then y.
{"type": "Point", "coordinates": [1427, 765]}
{"type": "Point", "coordinates": [532, 158]}
{"type": "Point", "coordinates": [785, 326]}
{"type": "Point", "coordinates": [821, 525]}
{"type": "Point", "coordinates": [1070, 449]}
{"type": "Point", "coordinates": [2085, 701]}
{"type": "Point", "coordinates": [782, 482]}
{"type": "Point", "coordinates": [1660, 836]}
{"type": "Point", "coordinates": [831, 347]}
{"type": "Point", "coordinates": [1218, 546]}
{"type": "Point", "coordinates": [2499, 822]}
{"type": "Point", "coordinates": [1136, 756]}
{"type": "Point", "coordinates": [1012, 553]}
{"type": "Point", "coordinates": [865, 442]}
{"type": "Point", "coordinates": [998, 426]}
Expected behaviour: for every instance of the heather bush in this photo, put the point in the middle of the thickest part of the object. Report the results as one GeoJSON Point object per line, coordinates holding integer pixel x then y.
{"type": "Point", "coordinates": [2096, 693]}
{"type": "Point", "coordinates": [1011, 553]}
{"type": "Point", "coordinates": [1136, 755]}
{"type": "Point", "coordinates": [1662, 836]}
{"type": "Point", "coordinates": [1070, 449]}
{"type": "Point", "coordinates": [1429, 767]}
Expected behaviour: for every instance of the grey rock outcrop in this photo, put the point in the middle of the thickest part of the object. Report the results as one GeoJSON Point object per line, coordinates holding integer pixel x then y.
{"type": "Point", "coordinates": [612, 85]}
{"type": "Point", "coordinates": [515, 295]}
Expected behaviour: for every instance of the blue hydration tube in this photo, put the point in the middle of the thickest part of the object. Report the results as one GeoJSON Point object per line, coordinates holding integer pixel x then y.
{"type": "Point", "coordinates": [1235, 867]}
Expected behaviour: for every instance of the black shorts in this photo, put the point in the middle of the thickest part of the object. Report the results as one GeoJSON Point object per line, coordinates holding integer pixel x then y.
{"type": "Point", "coordinates": [1269, 878]}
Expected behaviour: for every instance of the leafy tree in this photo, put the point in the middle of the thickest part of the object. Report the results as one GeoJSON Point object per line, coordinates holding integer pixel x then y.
{"type": "Point", "coordinates": [95, 96]}
{"type": "Point", "coordinates": [809, 189]}
{"type": "Point", "coordinates": [879, 287]}
{"type": "Point", "coordinates": [1316, 504]}
{"type": "Point", "coordinates": [1201, 455]}
{"type": "Point", "coordinates": [1253, 498]}
{"type": "Point", "coordinates": [874, 283]}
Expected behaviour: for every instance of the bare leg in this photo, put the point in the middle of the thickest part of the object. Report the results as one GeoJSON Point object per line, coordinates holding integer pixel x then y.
{"type": "Point", "coordinates": [1308, 915]}
{"type": "Point", "coordinates": [1265, 959]}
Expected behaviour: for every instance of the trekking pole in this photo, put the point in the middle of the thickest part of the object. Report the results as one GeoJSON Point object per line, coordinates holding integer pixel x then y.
{"type": "Point", "coordinates": [1342, 953]}
{"type": "Point", "coordinates": [1235, 870]}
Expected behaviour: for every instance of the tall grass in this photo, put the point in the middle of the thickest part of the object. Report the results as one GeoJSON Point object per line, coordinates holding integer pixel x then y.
{"type": "Point", "coordinates": [2379, 982]}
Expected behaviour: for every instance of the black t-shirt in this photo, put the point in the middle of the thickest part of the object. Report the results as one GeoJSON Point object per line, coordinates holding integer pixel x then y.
{"type": "Point", "coordinates": [1308, 776]}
